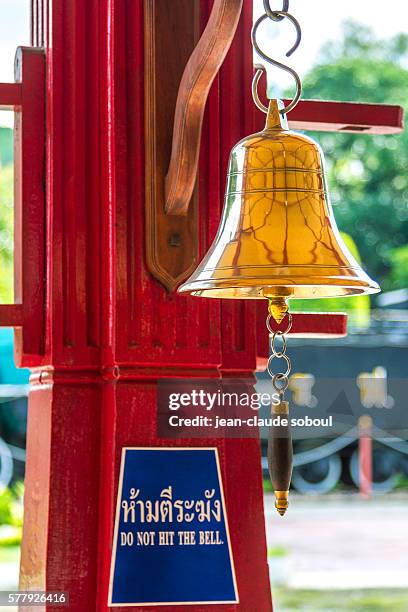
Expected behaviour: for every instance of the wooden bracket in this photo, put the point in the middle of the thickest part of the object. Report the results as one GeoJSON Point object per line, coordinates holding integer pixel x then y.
{"type": "Point", "coordinates": [179, 72]}
{"type": "Point", "coordinates": [198, 76]}
{"type": "Point", "coordinates": [26, 98]}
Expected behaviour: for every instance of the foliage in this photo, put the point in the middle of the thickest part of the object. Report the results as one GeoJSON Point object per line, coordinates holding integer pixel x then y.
{"type": "Point", "coordinates": [277, 551]}
{"type": "Point", "coordinates": [10, 537]}
{"type": "Point", "coordinates": [267, 485]}
{"type": "Point", "coordinates": [11, 508]}
{"type": "Point", "coordinates": [9, 554]}
{"type": "Point", "coordinates": [373, 600]}
{"type": "Point", "coordinates": [399, 266]}
{"type": "Point", "coordinates": [367, 174]}
{"type": "Point", "coordinates": [6, 501]}
{"type": "Point", "coordinates": [6, 234]}
{"type": "Point", "coordinates": [11, 519]}
{"type": "Point", "coordinates": [402, 481]}
{"type": "Point", "coordinates": [6, 146]}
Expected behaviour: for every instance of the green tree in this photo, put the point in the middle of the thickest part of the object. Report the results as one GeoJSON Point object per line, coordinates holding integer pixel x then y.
{"type": "Point", "coordinates": [368, 175]}
{"type": "Point", "coordinates": [6, 234]}
{"type": "Point", "coordinates": [399, 267]}
{"type": "Point", "coordinates": [6, 146]}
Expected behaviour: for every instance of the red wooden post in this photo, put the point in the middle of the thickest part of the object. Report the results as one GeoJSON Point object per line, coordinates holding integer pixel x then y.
{"type": "Point", "coordinates": [365, 456]}
{"type": "Point", "coordinates": [112, 331]}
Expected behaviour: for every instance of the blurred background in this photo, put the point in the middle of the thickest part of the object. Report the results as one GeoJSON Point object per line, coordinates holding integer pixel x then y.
{"type": "Point", "coordinates": [343, 545]}
{"type": "Point", "coordinates": [14, 31]}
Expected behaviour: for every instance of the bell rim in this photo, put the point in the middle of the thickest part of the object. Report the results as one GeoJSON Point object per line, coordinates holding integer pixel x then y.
{"type": "Point", "coordinates": [218, 293]}
{"type": "Point", "coordinates": [222, 289]}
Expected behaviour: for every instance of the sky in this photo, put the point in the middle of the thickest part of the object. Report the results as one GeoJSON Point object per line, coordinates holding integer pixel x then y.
{"type": "Point", "coordinates": [320, 21]}
{"type": "Point", "coordinates": [14, 31]}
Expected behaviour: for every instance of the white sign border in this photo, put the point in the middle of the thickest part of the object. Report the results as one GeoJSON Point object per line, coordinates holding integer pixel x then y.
{"type": "Point", "coordinates": [117, 520]}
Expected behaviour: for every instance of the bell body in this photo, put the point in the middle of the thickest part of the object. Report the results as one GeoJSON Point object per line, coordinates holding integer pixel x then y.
{"type": "Point", "coordinates": [278, 236]}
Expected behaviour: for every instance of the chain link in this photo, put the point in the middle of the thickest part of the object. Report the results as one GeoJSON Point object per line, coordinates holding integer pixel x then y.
{"type": "Point", "coordinates": [274, 15]}
{"type": "Point", "coordinates": [280, 380]}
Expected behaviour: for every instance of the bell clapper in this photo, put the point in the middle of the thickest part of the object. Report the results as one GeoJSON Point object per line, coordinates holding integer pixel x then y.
{"type": "Point", "coordinates": [280, 453]}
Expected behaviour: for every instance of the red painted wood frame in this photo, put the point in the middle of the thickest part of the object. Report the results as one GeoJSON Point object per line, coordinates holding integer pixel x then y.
{"type": "Point", "coordinates": [26, 99]}
{"type": "Point", "coordinates": [110, 330]}
{"type": "Point", "coordinates": [330, 116]}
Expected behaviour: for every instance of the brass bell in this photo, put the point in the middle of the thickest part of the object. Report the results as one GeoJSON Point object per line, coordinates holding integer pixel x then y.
{"type": "Point", "coordinates": [277, 238]}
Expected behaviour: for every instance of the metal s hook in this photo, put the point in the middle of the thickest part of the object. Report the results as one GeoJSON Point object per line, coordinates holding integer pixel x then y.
{"type": "Point", "coordinates": [297, 42]}
{"type": "Point", "coordinates": [260, 69]}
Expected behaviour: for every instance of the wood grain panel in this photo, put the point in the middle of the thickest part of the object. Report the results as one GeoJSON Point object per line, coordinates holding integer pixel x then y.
{"type": "Point", "coordinates": [171, 243]}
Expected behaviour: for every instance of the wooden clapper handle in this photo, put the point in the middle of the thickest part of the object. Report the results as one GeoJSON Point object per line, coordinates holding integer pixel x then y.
{"type": "Point", "coordinates": [280, 456]}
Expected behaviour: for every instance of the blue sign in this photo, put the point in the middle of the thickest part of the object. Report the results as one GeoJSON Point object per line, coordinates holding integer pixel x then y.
{"type": "Point", "coordinates": [171, 541]}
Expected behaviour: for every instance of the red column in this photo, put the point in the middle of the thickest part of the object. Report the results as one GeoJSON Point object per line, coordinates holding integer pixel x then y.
{"type": "Point", "coordinates": [365, 455]}
{"type": "Point", "coordinates": [112, 330]}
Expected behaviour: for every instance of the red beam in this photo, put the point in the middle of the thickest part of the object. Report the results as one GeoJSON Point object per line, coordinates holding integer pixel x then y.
{"type": "Point", "coordinates": [10, 96]}
{"type": "Point", "coordinates": [328, 116]}
{"type": "Point", "coordinates": [29, 204]}
{"type": "Point", "coordinates": [365, 455]}
{"type": "Point", "coordinates": [318, 325]}
{"type": "Point", "coordinates": [304, 325]}
{"type": "Point", "coordinates": [11, 315]}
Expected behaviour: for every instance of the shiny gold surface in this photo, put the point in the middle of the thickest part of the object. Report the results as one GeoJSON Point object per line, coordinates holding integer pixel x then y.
{"type": "Point", "coordinates": [281, 501]}
{"type": "Point", "coordinates": [282, 408]}
{"type": "Point", "coordinates": [278, 307]}
{"type": "Point", "coordinates": [278, 236]}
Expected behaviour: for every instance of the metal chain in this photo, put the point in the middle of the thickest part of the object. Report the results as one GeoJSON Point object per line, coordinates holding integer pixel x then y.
{"type": "Point", "coordinates": [280, 380]}
{"type": "Point", "coordinates": [274, 15]}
